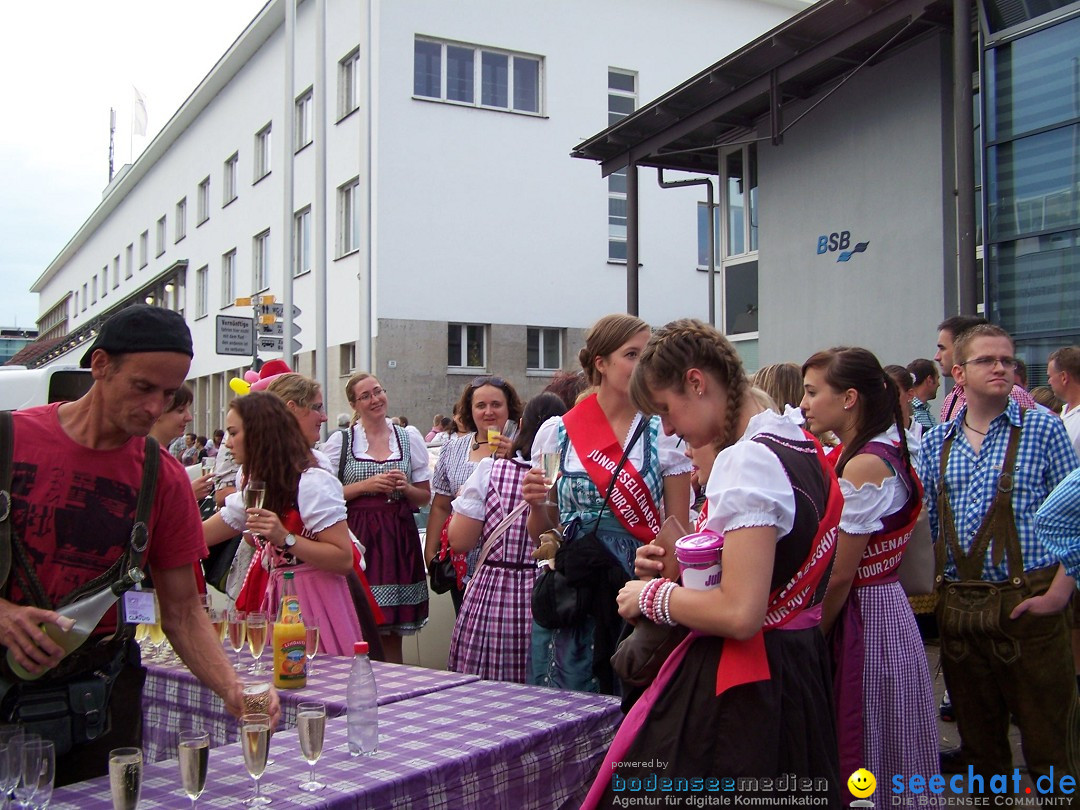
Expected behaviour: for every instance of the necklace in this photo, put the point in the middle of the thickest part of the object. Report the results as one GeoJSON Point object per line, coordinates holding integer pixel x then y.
{"type": "Point", "coordinates": [476, 444]}
{"type": "Point", "coordinates": [969, 427]}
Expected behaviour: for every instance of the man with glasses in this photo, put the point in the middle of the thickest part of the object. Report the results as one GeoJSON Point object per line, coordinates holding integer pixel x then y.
{"type": "Point", "coordinates": [949, 331]}
{"type": "Point", "coordinates": [1063, 371]}
{"type": "Point", "coordinates": [1005, 645]}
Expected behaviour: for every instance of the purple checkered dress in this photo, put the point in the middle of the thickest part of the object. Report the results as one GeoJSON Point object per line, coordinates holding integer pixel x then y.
{"type": "Point", "coordinates": [492, 634]}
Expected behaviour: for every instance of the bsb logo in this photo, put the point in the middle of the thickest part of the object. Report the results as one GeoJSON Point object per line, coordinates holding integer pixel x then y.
{"type": "Point", "coordinates": [833, 242]}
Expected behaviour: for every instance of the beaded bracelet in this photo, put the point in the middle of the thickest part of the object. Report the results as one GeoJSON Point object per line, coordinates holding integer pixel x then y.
{"type": "Point", "coordinates": [665, 607]}
{"type": "Point", "coordinates": [647, 599]}
{"type": "Point", "coordinates": [658, 610]}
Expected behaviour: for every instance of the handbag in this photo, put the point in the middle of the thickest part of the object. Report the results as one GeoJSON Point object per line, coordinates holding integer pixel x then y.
{"type": "Point", "coordinates": [556, 600]}
{"type": "Point", "coordinates": [916, 569]}
{"type": "Point", "coordinates": [441, 571]}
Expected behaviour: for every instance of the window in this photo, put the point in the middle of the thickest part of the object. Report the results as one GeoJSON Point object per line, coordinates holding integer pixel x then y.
{"type": "Point", "coordinates": [129, 261]}
{"type": "Point", "coordinates": [305, 109]}
{"type": "Point", "coordinates": [181, 219]}
{"type": "Point", "coordinates": [93, 289]}
{"type": "Point", "coordinates": [465, 346]}
{"type": "Point", "coordinates": [116, 272]}
{"type": "Point", "coordinates": [481, 77]}
{"type": "Point", "coordinates": [160, 236]}
{"type": "Point", "coordinates": [201, 294]}
{"type": "Point", "coordinates": [144, 248]}
{"type": "Point", "coordinates": [703, 235]}
{"type": "Point", "coordinates": [349, 83]}
{"type": "Point", "coordinates": [739, 252]}
{"type": "Point", "coordinates": [302, 241]}
{"type": "Point", "coordinates": [228, 279]}
{"type": "Point", "coordinates": [260, 262]}
{"type": "Point", "coordinates": [228, 179]}
{"type": "Point", "coordinates": [348, 358]}
{"type": "Point", "coordinates": [622, 100]}
{"type": "Point", "coordinates": [349, 217]}
{"type": "Point", "coordinates": [84, 297]}
{"type": "Point", "coordinates": [262, 153]}
{"type": "Point", "coordinates": [75, 309]}
{"type": "Point", "coordinates": [543, 351]}
{"type": "Point", "coordinates": [202, 204]}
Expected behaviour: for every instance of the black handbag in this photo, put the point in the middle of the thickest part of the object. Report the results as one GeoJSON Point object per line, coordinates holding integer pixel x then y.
{"type": "Point", "coordinates": [561, 594]}
{"type": "Point", "coordinates": [441, 571]}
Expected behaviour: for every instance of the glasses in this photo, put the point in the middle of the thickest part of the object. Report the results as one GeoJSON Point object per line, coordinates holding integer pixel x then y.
{"type": "Point", "coordinates": [374, 392]}
{"type": "Point", "coordinates": [478, 382]}
{"type": "Point", "coordinates": [1008, 363]}
{"type": "Point", "coordinates": [318, 407]}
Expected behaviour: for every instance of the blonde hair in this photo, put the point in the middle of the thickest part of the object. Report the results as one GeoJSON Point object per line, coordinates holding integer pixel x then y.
{"type": "Point", "coordinates": [781, 381]}
{"type": "Point", "coordinates": [604, 337]}
{"type": "Point", "coordinates": [295, 388]}
{"type": "Point", "coordinates": [355, 380]}
{"type": "Point", "coordinates": [683, 345]}
{"type": "Point", "coordinates": [763, 399]}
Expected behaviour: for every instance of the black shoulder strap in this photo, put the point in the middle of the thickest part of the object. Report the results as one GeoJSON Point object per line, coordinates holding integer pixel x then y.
{"type": "Point", "coordinates": [404, 445]}
{"type": "Point", "coordinates": [346, 447]}
{"type": "Point", "coordinates": [7, 452]}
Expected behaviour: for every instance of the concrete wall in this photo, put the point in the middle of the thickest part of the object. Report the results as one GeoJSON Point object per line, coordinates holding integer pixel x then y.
{"type": "Point", "coordinates": [870, 160]}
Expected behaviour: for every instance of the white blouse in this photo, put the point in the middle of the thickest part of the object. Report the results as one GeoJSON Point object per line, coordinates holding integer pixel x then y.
{"type": "Point", "coordinates": [748, 486]}
{"type": "Point", "coordinates": [418, 452]}
{"type": "Point", "coordinates": [319, 501]}
{"type": "Point", "coordinates": [866, 506]}
{"type": "Point", "coordinates": [673, 460]}
{"type": "Point", "coordinates": [472, 500]}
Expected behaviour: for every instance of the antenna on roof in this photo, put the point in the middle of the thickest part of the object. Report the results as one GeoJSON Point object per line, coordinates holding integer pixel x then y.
{"type": "Point", "coordinates": [112, 133]}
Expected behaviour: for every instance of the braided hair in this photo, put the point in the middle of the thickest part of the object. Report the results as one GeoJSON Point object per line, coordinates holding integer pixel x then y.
{"type": "Point", "coordinates": [846, 367]}
{"type": "Point", "coordinates": [682, 345]}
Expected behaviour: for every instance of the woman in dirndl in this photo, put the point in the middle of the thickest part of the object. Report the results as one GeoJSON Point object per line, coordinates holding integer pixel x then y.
{"type": "Point", "coordinates": [384, 470]}
{"type": "Point", "coordinates": [884, 696]}
{"type": "Point", "coordinates": [748, 693]}
{"type": "Point", "coordinates": [494, 628]}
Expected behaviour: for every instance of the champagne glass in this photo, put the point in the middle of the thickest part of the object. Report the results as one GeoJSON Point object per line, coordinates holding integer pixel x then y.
{"type": "Point", "coordinates": [311, 726]}
{"type": "Point", "coordinates": [125, 777]}
{"type": "Point", "coordinates": [254, 495]}
{"type": "Point", "coordinates": [550, 463]}
{"type": "Point", "coordinates": [157, 635]}
{"type": "Point", "coordinates": [38, 773]}
{"type": "Point", "coordinates": [16, 745]}
{"type": "Point", "coordinates": [194, 759]}
{"type": "Point", "coordinates": [311, 645]}
{"type": "Point", "coordinates": [9, 773]}
{"type": "Point", "coordinates": [256, 636]}
{"type": "Point", "coordinates": [237, 627]}
{"type": "Point", "coordinates": [255, 741]}
{"type": "Point", "coordinates": [208, 465]}
{"type": "Point", "coordinates": [219, 620]}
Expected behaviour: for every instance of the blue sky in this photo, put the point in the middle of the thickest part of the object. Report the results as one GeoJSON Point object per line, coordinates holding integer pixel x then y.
{"type": "Point", "coordinates": [66, 63]}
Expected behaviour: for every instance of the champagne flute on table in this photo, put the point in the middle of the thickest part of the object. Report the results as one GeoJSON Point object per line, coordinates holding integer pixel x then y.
{"type": "Point", "coordinates": [16, 745]}
{"type": "Point", "coordinates": [237, 629]}
{"type": "Point", "coordinates": [256, 636]}
{"type": "Point", "coordinates": [311, 644]}
{"type": "Point", "coordinates": [125, 777]}
{"type": "Point", "coordinates": [194, 758]}
{"type": "Point", "coordinates": [255, 742]}
{"type": "Point", "coordinates": [9, 773]}
{"type": "Point", "coordinates": [550, 463]}
{"type": "Point", "coordinates": [311, 727]}
{"type": "Point", "coordinates": [219, 620]}
{"type": "Point", "coordinates": [38, 773]}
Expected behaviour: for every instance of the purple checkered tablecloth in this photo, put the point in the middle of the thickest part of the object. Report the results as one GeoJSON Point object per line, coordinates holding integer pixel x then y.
{"type": "Point", "coordinates": [174, 700]}
{"type": "Point", "coordinates": [478, 745]}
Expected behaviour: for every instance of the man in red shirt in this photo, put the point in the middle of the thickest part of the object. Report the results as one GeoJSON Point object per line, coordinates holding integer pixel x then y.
{"type": "Point", "coordinates": [77, 474]}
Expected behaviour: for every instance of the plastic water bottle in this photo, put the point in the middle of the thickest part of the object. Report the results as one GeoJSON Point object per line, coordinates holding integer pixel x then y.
{"type": "Point", "coordinates": [363, 704]}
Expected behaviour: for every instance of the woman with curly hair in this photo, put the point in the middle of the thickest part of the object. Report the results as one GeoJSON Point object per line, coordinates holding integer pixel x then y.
{"type": "Point", "coordinates": [300, 527]}
{"type": "Point", "coordinates": [747, 693]}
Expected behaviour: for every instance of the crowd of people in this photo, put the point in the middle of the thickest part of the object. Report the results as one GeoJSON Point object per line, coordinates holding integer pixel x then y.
{"type": "Point", "coordinates": [805, 658]}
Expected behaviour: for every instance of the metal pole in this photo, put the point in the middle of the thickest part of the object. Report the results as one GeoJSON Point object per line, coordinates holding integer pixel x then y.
{"type": "Point", "coordinates": [710, 205]}
{"type": "Point", "coordinates": [366, 354]}
{"type": "Point", "coordinates": [964, 138]}
{"type": "Point", "coordinates": [288, 201]}
{"type": "Point", "coordinates": [320, 206]}
{"type": "Point", "coordinates": [632, 239]}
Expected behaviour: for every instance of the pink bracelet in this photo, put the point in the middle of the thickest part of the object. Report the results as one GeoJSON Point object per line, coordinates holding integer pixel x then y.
{"type": "Point", "coordinates": [647, 600]}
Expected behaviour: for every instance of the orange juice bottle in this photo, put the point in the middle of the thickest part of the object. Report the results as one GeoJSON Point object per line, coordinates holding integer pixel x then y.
{"type": "Point", "coordinates": [290, 661]}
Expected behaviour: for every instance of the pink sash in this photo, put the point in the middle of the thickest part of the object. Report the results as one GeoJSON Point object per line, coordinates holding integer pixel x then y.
{"type": "Point", "coordinates": [600, 452]}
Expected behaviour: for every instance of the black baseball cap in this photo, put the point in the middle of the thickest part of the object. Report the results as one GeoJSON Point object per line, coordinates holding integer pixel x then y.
{"type": "Point", "coordinates": [142, 328]}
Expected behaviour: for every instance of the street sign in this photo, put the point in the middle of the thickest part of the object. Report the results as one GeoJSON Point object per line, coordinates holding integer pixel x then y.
{"type": "Point", "coordinates": [270, 343]}
{"type": "Point", "coordinates": [275, 328]}
{"type": "Point", "coordinates": [234, 335]}
{"type": "Point", "coordinates": [278, 309]}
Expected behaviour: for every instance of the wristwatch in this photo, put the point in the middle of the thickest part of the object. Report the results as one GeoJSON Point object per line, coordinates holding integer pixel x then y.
{"type": "Point", "coordinates": [290, 540]}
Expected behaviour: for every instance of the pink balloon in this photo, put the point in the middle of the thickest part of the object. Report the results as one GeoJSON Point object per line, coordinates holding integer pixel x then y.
{"type": "Point", "coordinates": [251, 376]}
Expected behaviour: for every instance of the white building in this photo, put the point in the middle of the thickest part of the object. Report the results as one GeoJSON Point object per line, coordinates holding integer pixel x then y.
{"type": "Point", "coordinates": [460, 238]}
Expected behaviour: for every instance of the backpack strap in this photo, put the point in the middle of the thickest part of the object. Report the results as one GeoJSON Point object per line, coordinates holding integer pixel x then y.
{"type": "Point", "coordinates": [7, 452]}
{"type": "Point", "coordinates": [346, 448]}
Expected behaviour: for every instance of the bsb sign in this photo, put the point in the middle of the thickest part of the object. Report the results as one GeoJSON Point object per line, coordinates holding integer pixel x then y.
{"type": "Point", "coordinates": [840, 242]}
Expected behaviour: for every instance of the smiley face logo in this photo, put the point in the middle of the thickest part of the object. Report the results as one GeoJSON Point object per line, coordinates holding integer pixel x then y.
{"type": "Point", "coordinates": [862, 783]}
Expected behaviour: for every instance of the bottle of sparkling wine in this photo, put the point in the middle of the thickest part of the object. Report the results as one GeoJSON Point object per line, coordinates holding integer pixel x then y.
{"type": "Point", "coordinates": [83, 616]}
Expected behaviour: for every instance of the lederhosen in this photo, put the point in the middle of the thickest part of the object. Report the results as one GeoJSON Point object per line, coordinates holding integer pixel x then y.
{"type": "Point", "coordinates": [996, 666]}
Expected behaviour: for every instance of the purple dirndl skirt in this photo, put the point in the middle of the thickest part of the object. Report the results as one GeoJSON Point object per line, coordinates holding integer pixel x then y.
{"type": "Point", "coordinates": [395, 561]}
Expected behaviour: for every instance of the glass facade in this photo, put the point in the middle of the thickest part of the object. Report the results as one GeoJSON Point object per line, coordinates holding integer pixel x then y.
{"type": "Point", "coordinates": [1031, 91]}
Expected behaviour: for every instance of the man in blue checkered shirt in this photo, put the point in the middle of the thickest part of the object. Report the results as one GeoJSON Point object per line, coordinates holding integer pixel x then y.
{"type": "Point", "coordinates": [1005, 644]}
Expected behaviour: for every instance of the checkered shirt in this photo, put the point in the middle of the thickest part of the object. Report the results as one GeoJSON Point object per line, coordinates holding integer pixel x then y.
{"type": "Point", "coordinates": [1057, 523]}
{"type": "Point", "coordinates": [1044, 457]}
{"type": "Point", "coordinates": [956, 399]}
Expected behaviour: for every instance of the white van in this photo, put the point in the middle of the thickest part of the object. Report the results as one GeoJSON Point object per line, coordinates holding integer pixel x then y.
{"type": "Point", "coordinates": [22, 387]}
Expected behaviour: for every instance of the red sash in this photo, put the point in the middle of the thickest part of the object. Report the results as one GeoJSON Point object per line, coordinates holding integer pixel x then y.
{"type": "Point", "coordinates": [883, 553]}
{"type": "Point", "coordinates": [600, 452]}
